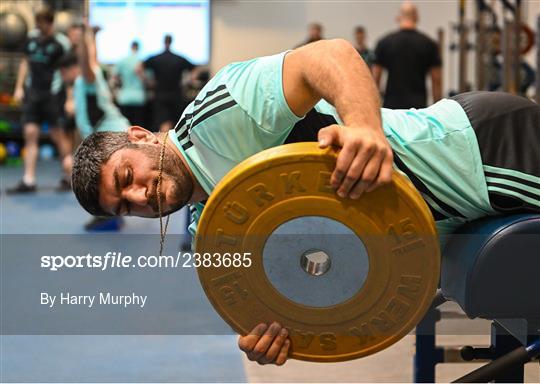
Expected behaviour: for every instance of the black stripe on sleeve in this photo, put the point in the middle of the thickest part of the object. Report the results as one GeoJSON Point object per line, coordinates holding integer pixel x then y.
{"type": "Point", "coordinates": [180, 124]}
{"type": "Point", "coordinates": [183, 134]}
{"type": "Point", "coordinates": [187, 145]}
{"type": "Point", "coordinates": [210, 93]}
{"type": "Point", "coordinates": [187, 116]}
{"type": "Point", "coordinates": [210, 102]}
{"type": "Point", "coordinates": [205, 116]}
{"type": "Point", "coordinates": [212, 112]}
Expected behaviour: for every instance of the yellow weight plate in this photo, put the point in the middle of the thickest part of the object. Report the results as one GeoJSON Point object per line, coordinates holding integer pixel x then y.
{"type": "Point", "coordinates": [290, 182]}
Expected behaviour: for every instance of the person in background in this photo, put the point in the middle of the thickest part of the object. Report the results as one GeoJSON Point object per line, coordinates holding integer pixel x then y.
{"type": "Point", "coordinates": [315, 33]}
{"type": "Point", "coordinates": [408, 56]}
{"type": "Point", "coordinates": [360, 44]}
{"type": "Point", "coordinates": [168, 70]}
{"type": "Point", "coordinates": [65, 96]}
{"type": "Point", "coordinates": [128, 75]}
{"type": "Point", "coordinates": [37, 86]}
{"type": "Point", "coordinates": [74, 34]}
{"type": "Point", "coordinates": [94, 107]}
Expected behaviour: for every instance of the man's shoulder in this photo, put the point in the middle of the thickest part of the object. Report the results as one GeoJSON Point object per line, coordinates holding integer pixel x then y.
{"type": "Point", "coordinates": [62, 40]}
{"type": "Point", "coordinates": [180, 59]}
{"type": "Point", "coordinates": [421, 37]}
{"type": "Point", "coordinates": [387, 41]}
{"type": "Point", "coordinates": [154, 58]}
{"type": "Point", "coordinates": [390, 37]}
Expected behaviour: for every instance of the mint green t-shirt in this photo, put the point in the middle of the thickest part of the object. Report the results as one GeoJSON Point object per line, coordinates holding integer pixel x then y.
{"type": "Point", "coordinates": [131, 93]}
{"type": "Point", "coordinates": [242, 111]}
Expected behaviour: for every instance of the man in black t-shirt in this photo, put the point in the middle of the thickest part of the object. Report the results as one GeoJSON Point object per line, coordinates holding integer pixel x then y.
{"type": "Point", "coordinates": [38, 85]}
{"type": "Point", "coordinates": [168, 69]}
{"type": "Point", "coordinates": [408, 56]}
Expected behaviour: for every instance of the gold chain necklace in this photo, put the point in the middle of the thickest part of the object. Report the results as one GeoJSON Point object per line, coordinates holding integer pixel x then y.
{"type": "Point", "coordinates": [163, 232]}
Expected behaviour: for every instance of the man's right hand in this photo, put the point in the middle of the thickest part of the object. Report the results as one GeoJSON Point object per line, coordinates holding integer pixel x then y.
{"type": "Point", "coordinates": [18, 95]}
{"type": "Point", "coordinates": [266, 345]}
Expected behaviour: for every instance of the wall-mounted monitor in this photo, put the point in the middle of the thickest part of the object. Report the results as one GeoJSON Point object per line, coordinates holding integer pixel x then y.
{"type": "Point", "coordinates": [148, 21]}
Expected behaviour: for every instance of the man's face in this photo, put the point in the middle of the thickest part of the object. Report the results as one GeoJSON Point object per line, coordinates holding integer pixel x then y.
{"type": "Point", "coordinates": [44, 27]}
{"type": "Point", "coordinates": [74, 35]}
{"type": "Point", "coordinates": [129, 181]}
{"type": "Point", "coordinates": [69, 74]}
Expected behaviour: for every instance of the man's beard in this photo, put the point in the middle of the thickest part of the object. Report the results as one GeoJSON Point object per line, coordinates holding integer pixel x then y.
{"type": "Point", "coordinates": [175, 171]}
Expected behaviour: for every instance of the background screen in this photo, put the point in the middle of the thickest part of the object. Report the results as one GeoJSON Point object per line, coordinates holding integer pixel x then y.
{"type": "Point", "coordinates": [147, 22]}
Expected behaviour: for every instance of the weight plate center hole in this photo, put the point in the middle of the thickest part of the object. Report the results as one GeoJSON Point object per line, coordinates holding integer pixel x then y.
{"type": "Point", "coordinates": [315, 262]}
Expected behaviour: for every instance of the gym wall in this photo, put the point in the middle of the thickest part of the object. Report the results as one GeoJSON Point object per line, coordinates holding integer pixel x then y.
{"type": "Point", "coordinates": [245, 29]}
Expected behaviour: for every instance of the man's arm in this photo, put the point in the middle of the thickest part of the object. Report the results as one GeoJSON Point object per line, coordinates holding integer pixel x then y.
{"type": "Point", "coordinates": [436, 83]}
{"type": "Point", "coordinates": [18, 93]}
{"type": "Point", "coordinates": [333, 70]}
{"type": "Point", "coordinates": [86, 51]}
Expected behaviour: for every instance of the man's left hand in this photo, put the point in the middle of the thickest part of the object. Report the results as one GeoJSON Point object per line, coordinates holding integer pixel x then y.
{"type": "Point", "coordinates": [364, 162]}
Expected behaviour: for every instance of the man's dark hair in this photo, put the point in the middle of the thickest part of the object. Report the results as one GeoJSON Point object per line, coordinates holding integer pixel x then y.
{"type": "Point", "coordinates": [46, 15]}
{"type": "Point", "coordinates": [91, 155]}
{"type": "Point", "coordinates": [360, 29]}
{"type": "Point", "coordinates": [68, 60]}
{"type": "Point", "coordinates": [168, 40]}
{"type": "Point", "coordinates": [135, 45]}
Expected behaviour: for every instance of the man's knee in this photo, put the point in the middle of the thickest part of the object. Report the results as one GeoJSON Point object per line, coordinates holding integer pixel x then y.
{"type": "Point", "coordinates": [31, 133]}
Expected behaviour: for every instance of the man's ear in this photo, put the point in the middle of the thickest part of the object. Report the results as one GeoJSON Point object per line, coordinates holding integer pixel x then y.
{"type": "Point", "coordinates": [139, 135]}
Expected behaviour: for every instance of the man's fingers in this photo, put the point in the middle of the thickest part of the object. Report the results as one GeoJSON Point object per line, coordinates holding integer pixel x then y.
{"type": "Point", "coordinates": [265, 342]}
{"type": "Point", "coordinates": [368, 176]}
{"type": "Point", "coordinates": [248, 342]}
{"type": "Point", "coordinates": [355, 171]}
{"type": "Point", "coordinates": [343, 163]}
{"type": "Point", "coordinates": [363, 164]}
{"type": "Point", "coordinates": [329, 136]}
{"type": "Point", "coordinates": [275, 348]}
{"type": "Point", "coordinates": [385, 173]}
{"type": "Point", "coordinates": [283, 353]}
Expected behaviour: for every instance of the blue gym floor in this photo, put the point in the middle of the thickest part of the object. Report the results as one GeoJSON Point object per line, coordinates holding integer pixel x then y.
{"type": "Point", "coordinates": [96, 358]}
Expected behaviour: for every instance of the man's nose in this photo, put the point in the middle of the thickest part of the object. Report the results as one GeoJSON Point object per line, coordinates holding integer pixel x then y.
{"type": "Point", "coordinates": [136, 195]}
